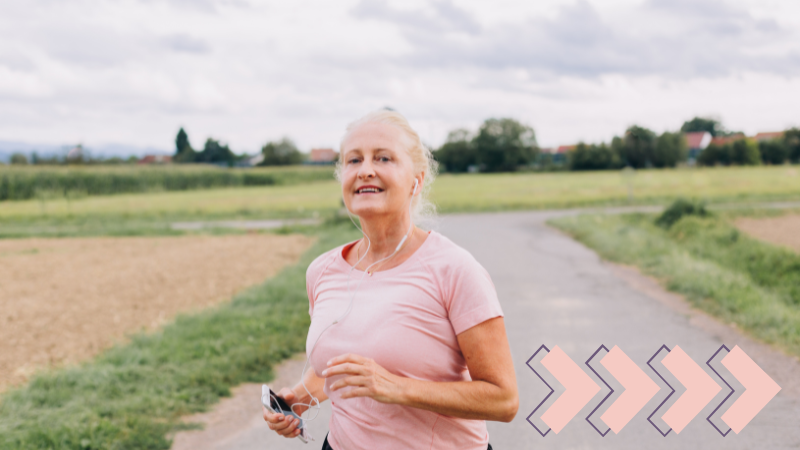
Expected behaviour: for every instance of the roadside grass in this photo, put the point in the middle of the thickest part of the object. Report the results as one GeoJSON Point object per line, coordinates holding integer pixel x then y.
{"type": "Point", "coordinates": [133, 394]}
{"type": "Point", "coordinates": [754, 285]}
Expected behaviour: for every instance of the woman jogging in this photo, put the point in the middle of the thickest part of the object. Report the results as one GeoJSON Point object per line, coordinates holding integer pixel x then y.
{"type": "Point", "coordinates": [407, 337]}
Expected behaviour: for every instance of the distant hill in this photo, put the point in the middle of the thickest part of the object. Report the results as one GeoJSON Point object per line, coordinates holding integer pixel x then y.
{"type": "Point", "coordinates": [7, 148]}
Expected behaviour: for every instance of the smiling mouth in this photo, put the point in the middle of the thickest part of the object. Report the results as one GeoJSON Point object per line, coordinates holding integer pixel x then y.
{"type": "Point", "coordinates": [369, 190]}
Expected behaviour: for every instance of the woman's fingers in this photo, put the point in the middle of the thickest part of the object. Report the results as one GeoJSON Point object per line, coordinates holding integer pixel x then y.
{"type": "Point", "coordinates": [345, 368]}
{"type": "Point", "coordinates": [357, 392]}
{"type": "Point", "coordinates": [349, 381]}
{"type": "Point", "coordinates": [281, 424]}
{"type": "Point", "coordinates": [348, 357]}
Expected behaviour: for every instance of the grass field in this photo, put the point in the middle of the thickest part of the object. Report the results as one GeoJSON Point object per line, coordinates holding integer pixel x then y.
{"type": "Point", "coordinates": [132, 395]}
{"type": "Point", "coordinates": [27, 182]}
{"type": "Point", "coordinates": [719, 269]}
{"type": "Point", "coordinates": [451, 193]}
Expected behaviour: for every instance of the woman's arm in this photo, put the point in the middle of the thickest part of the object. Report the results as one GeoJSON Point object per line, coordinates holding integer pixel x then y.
{"type": "Point", "coordinates": [491, 395]}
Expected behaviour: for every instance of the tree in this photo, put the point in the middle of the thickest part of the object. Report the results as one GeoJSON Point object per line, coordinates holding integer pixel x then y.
{"type": "Point", "coordinates": [19, 158]}
{"type": "Point", "coordinates": [281, 153]}
{"type": "Point", "coordinates": [592, 157]}
{"type": "Point", "coordinates": [457, 154]}
{"type": "Point", "coordinates": [703, 124]}
{"type": "Point", "coordinates": [715, 154]}
{"type": "Point", "coordinates": [745, 153]}
{"type": "Point", "coordinates": [791, 139]}
{"type": "Point", "coordinates": [184, 153]}
{"type": "Point", "coordinates": [670, 149]}
{"type": "Point", "coordinates": [773, 151]}
{"type": "Point", "coordinates": [502, 145]}
{"type": "Point", "coordinates": [181, 142]}
{"type": "Point", "coordinates": [215, 153]}
{"type": "Point", "coordinates": [638, 146]}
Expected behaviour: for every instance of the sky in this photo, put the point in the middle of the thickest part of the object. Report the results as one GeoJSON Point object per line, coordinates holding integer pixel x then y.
{"type": "Point", "coordinates": [246, 72]}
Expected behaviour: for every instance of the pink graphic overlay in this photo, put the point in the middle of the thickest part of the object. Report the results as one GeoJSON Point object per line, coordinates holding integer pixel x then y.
{"type": "Point", "coordinates": [639, 389]}
{"type": "Point", "coordinates": [700, 389]}
{"type": "Point", "coordinates": [579, 389]}
{"type": "Point", "coordinates": [759, 389]}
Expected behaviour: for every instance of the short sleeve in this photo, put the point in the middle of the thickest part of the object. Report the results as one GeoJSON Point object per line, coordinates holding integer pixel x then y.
{"type": "Point", "coordinates": [313, 274]}
{"type": "Point", "coordinates": [470, 295]}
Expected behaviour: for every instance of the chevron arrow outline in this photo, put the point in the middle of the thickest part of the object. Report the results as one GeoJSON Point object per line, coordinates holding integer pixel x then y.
{"type": "Point", "coordinates": [700, 389]}
{"type": "Point", "coordinates": [639, 389]}
{"type": "Point", "coordinates": [579, 389]}
{"type": "Point", "coordinates": [528, 363]}
{"type": "Point", "coordinates": [708, 363]}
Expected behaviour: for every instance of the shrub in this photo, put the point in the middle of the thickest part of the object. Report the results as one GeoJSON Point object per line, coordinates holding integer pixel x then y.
{"type": "Point", "coordinates": [678, 209]}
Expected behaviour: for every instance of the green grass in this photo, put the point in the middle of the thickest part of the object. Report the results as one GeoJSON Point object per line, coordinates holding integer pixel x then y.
{"type": "Point", "coordinates": [151, 213]}
{"type": "Point", "coordinates": [133, 394]}
{"type": "Point", "coordinates": [719, 269]}
{"type": "Point", "coordinates": [27, 182]}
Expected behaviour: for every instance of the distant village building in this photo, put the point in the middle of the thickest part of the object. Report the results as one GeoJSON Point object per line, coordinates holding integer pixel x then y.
{"type": "Point", "coordinates": [155, 159]}
{"type": "Point", "coordinates": [75, 153]}
{"type": "Point", "coordinates": [254, 160]}
{"type": "Point", "coordinates": [322, 156]}
{"type": "Point", "coordinates": [722, 140]}
{"type": "Point", "coordinates": [768, 136]}
{"type": "Point", "coordinates": [697, 141]}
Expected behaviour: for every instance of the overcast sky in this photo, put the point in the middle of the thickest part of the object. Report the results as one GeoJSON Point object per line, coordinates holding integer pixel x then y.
{"type": "Point", "coordinates": [245, 72]}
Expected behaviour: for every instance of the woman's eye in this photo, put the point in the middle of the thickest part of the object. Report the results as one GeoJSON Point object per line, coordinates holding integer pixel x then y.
{"type": "Point", "coordinates": [383, 159]}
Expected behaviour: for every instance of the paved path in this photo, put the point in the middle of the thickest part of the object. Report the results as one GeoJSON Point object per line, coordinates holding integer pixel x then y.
{"type": "Point", "coordinates": [555, 291]}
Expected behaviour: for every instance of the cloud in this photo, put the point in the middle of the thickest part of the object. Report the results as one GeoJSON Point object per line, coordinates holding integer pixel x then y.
{"type": "Point", "coordinates": [186, 43]}
{"type": "Point", "coordinates": [677, 39]}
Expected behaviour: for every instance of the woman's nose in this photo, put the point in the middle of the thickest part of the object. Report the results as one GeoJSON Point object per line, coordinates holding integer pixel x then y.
{"type": "Point", "coordinates": [366, 170]}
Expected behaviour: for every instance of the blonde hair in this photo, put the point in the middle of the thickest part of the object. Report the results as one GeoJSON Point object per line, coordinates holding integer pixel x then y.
{"type": "Point", "coordinates": [421, 157]}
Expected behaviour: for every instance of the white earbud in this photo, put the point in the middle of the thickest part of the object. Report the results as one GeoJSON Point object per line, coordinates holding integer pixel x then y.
{"type": "Point", "coordinates": [416, 183]}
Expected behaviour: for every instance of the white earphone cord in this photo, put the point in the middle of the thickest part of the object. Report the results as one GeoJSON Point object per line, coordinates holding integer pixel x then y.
{"type": "Point", "coordinates": [314, 400]}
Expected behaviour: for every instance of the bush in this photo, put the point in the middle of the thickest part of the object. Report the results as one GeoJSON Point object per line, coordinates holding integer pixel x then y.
{"type": "Point", "coordinates": [593, 157]}
{"type": "Point", "coordinates": [281, 153]}
{"type": "Point", "coordinates": [773, 151]}
{"type": "Point", "coordinates": [678, 209]}
{"type": "Point", "coordinates": [744, 152]}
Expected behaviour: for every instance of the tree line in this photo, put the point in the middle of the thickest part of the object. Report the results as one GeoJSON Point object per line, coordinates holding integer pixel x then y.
{"type": "Point", "coordinates": [504, 145]}
{"type": "Point", "coordinates": [276, 153]}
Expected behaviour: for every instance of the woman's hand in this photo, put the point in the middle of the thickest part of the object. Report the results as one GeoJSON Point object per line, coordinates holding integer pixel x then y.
{"type": "Point", "coordinates": [282, 424]}
{"type": "Point", "coordinates": [367, 378]}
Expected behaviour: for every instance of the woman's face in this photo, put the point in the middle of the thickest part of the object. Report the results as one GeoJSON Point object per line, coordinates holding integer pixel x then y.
{"type": "Point", "coordinates": [377, 173]}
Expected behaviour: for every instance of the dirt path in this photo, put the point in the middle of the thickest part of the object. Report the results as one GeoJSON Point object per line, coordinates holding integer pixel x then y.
{"type": "Point", "coordinates": [782, 230]}
{"type": "Point", "coordinates": [64, 300]}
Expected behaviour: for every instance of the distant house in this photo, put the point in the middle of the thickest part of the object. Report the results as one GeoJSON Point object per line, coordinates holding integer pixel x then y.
{"type": "Point", "coordinates": [322, 156]}
{"type": "Point", "coordinates": [75, 153]}
{"type": "Point", "coordinates": [768, 136]}
{"type": "Point", "coordinates": [564, 149]}
{"type": "Point", "coordinates": [697, 141]}
{"type": "Point", "coordinates": [722, 140]}
{"type": "Point", "coordinates": [155, 159]}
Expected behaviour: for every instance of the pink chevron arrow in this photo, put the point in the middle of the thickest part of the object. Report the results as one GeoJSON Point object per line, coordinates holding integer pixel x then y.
{"type": "Point", "coordinates": [700, 389]}
{"type": "Point", "coordinates": [639, 389]}
{"type": "Point", "coordinates": [579, 389]}
{"type": "Point", "coordinates": [759, 389]}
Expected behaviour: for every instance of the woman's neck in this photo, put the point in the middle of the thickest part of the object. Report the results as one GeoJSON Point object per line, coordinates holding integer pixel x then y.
{"type": "Point", "coordinates": [384, 234]}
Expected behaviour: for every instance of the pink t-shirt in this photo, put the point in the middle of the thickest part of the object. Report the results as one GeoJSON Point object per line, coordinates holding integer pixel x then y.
{"type": "Point", "coordinates": [406, 319]}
